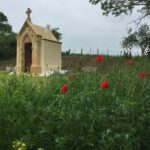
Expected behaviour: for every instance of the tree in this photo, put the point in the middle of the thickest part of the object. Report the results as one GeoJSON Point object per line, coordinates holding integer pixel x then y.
{"type": "Point", "coordinates": [55, 31]}
{"type": "Point", "coordinates": [138, 38]}
{"type": "Point", "coordinates": [130, 41]}
{"type": "Point", "coordinates": [5, 28]}
{"type": "Point", "coordinates": [143, 38]}
{"type": "Point", "coordinates": [119, 7]}
{"type": "Point", "coordinates": [8, 46]}
{"type": "Point", "coordinates": [57, 34]}
{"type": "Point", "coordinates": [7, 38]}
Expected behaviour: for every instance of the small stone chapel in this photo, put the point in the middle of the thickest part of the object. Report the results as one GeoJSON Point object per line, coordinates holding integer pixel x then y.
{"type": "Point", "coordinates": [38, 51]}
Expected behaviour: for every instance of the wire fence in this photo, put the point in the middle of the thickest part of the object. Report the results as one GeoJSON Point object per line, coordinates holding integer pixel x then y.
{"type": "Point", "coordinates": [82, 51]}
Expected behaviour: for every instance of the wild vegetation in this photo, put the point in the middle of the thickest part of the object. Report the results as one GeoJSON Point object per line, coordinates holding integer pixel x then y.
{"type": "Point", "coordinates": [78, 110]}
{"type": "Point", "coordinates": [104, 110]}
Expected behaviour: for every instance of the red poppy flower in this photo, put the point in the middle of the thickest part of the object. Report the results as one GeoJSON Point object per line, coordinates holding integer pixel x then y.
{"type": "Point", "coordinates": [131, 62]}
{"type": "Point", "coordinates": [142, 74]}
{"type": "Point", "coordinates": [64, 88]}
{"type": "Point", "coordinates": [99, 58]}
{"type": "Point", "coordinates": [104, 84]}
{"type": "Point", "coordinates": [70, 78]}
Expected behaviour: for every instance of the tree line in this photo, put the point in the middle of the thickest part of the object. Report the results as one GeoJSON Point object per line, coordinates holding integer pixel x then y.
{"type": "Point", "coordinates": [7, 38]}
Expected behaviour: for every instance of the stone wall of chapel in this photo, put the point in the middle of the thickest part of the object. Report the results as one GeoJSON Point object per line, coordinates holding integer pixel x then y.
{"type": "Point", "coordinates": [52, 54]}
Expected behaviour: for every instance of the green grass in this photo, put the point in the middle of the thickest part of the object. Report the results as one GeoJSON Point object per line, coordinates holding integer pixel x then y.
{"type": "Point", "coordinates": [3, 73]}
{"type": "Point", "coordinates": [87, 117]}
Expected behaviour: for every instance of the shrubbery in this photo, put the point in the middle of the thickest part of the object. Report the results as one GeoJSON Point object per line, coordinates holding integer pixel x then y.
{"type": "Point", "coordinates": [86, 117]}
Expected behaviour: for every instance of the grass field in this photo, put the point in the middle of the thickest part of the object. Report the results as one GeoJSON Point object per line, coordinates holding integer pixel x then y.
{"type": "Point", "coordinates": [35, 111]}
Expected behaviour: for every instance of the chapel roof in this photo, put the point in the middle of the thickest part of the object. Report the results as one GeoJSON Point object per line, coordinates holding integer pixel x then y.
{"type": "Point", "coordinates": [40, 31]}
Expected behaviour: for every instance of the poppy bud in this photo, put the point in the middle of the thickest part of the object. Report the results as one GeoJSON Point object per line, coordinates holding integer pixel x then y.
{"type": "Point", "coordinates": [99, 58]}
{"type": "Point", "coordinates": [104, 84]}
{"type": "Point", "coordinates": [142, 74]}
{"type": "Point", "coordinates": [64, 88]}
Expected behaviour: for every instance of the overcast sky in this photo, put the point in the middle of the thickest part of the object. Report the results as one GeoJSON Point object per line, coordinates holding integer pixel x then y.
{"type": "Point", "coordinates": [81, 24]}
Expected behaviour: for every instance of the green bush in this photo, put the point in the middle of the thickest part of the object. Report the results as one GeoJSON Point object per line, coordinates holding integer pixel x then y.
{"type": "Point", "coordinates": [86, 117]}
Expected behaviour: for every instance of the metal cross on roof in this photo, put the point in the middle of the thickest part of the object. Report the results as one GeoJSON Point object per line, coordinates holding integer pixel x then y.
{"type": "Point", "coordinates": [28, 12]}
